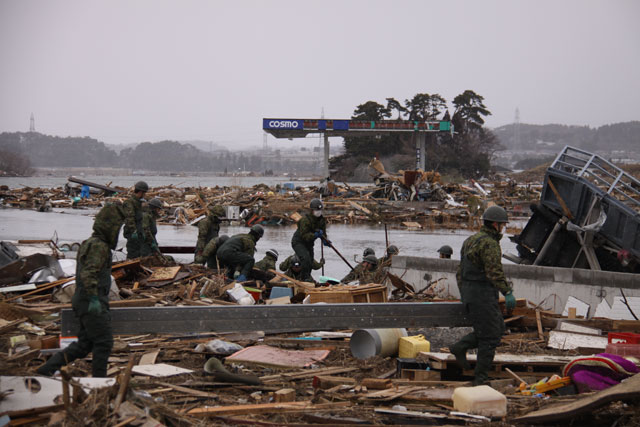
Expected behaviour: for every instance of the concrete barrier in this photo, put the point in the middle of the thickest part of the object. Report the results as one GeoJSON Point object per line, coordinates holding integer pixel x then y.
{"type": "Point", "coordinates": [554, 285]}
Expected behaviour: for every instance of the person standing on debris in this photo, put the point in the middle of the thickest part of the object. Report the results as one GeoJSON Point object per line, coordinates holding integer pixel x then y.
{"type": "Point", "coordinates": [445, 252]}
{"type": "Point", "coordinates": [91, 298]}
{"type": "Point", "coordinates": [480, 276]}
{"type": "Point", "coordinates": [209, 254]}
{"type": "Point", "coordinates": [312, 226]}
{"type": "Point", "coordinates": [237, 253]}
{"type": "Point", "coordinates": [150, 212]}
{"type": "Point", "coordinates": [358, 269]}
{"type": "Point", "coordinates": [208, 230]}
{"type": "Point", "coordinates": [132, 208]}
{"type": "Point", "coordinates": [268, 262]}
{"type": "Point", "coordinates": [293, 268]}
{"type": "Point", "coordinates": [385, 261]}
{"type": "Point", "coordinates": [364, 272]}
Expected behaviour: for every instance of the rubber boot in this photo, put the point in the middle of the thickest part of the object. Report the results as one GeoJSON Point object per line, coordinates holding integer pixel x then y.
{"type": "Point", "coordinates": [460, 352]}
{"type": "Point", "coordinates": [54, 363]}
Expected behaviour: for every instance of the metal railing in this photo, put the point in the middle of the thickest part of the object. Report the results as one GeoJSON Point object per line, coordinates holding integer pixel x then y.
{"type": "Point", "coordinates": [600, 172]}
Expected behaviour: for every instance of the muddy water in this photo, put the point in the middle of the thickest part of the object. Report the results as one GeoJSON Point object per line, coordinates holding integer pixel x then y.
{"type": "Point", "coordinates": [71, 225]}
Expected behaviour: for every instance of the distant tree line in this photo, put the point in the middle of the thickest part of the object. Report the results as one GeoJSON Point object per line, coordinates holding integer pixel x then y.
{"type": "Point", "coordinates": [614, 137]}
{"type": "Point", "coordinates": [25, 149]}
{"type": "Point", "coordinates": [466, 153]}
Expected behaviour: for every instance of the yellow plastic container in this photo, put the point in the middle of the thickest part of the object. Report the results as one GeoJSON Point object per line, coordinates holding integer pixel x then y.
{"type": "Point", "coordinates": [410, 346]}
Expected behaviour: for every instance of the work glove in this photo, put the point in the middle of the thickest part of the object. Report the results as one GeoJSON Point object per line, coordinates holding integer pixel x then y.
{"type": "Point", "coordinates": [95, 307]}
{"type": "Point", "coordinates": [155, 248]}
{"type": "Point", "coordinates": [241, 278]}
{"type": "Point", "coordinates": [318, 234]}
{"type": "Point", "coordinates": [510, 301]}
{"type": "Point", "coordinates": [326, 242]}
{"type": "Point", "coordinates": [321, 261]}
{"type": "Point", "coordinates": [134, 235]}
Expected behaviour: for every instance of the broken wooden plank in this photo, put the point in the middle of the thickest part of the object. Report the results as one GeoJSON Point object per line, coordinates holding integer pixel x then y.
{"type": "Point", "coordinates": [189, 391]}
{"type": "Point", "coordinates": [164, 273]}
{"type": "Point", "coordinates": [359, 207]}
{"type": "Point", "coordinates": [149, 358]}
{"type": "Point", "coordinates": [285, 395]}
{"type": "Point", "coordinates": [627, 390]}
{"type": "Point", "coordinates": [266, 408]}
{"type": "Point", "coordinates": [440, 360]}
{"type": "Point", "coordinates": [571, 340]}
{"type": "Point", "coordinates": [299, 375]}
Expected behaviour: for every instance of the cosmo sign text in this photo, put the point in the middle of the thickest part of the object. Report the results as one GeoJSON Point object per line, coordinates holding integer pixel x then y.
{"type": "Point", "coordinates": [282, 124]}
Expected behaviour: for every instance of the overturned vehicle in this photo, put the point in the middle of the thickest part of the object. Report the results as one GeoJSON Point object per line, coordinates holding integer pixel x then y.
{"type": "Point", "coordinates": [588, 217]}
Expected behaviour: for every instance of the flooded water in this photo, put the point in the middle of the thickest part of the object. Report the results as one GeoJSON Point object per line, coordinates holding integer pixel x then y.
{"type": "Point", "coordinates": [158, 181]}
{"type": "Point", "coordinates": [69, 225]}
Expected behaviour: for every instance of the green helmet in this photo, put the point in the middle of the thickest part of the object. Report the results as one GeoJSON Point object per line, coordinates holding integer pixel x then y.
{"type": "Point", "coordinates": [495, 214]}
{"type": "Point", "coordinates": [258, 230]}
{"type": "Point", "coordinates": [221, 239]}
{"type": "Point", "coordinates": [316, 204]}
{"type": "Point", "coordinates": [446, 250]}
{"type": "Point", "coordinates": [371, 259]}
{"type": "Point", "coordinates": [368, 251]}
{"type": "Point", "coordinates": [393, 250]}
{"type": "Point", "coordinates": [141, 186]}
{"type": "Point", "coordinates": [273, 253]}
{"type": "Point", "coordinates": [155, 203]}
{"type": "Point", "coordinates": [216, 210]}
{"type": "Point", "coordinates": [295, 261]}
{"type": "Point", "coordinates": [108, 222]}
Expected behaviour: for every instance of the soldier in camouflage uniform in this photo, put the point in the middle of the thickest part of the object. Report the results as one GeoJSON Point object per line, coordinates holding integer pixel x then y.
{"type": "Point", "coordinates": [268, 262]}
{"type": "Point", "coordinates": [358, 269]}
{"type": "Point", "coordinates": [208, 230]}
{"type": "Point", "coordinates": [132, 208]}
{"type": "Point", "coordinates": [480, 276]}
{"type": "Point", "coordinates": [385, 261]}
{"type": "Point", "coordinates": [91, 298]}
{"type": "Point", "coordinates": [209, 254]}
{"type": "Point", "coordinates": [149, 246]}
{"type": "Point", "coordinates": [363, 273]}
{"type": "Point", "coordinates": [312, 226]}
{"type": "Point", "coordinates": [293, 268]}
{"type": "Point", "coordinates": [237, 253]}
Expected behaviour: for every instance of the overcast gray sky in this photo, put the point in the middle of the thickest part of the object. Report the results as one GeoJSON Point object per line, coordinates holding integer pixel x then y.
{"type": "Point", "coordinates": [146, 70]}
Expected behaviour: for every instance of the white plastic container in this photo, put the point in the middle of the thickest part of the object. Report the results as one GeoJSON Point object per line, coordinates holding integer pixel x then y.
{"type": "Point", "coordinates": [480, 400]}
{"type": "Point", "coordinates": [240, 295]}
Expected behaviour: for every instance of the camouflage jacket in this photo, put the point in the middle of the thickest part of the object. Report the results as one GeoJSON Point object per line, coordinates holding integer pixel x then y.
{"type": "Point", "coordinates": [208, 229]}
{"type": "Point", "coordinates": [286, 264]}
{"type": "Point", "coordinates": [361, 275]}
{"type": "Point", "coordinates": [307, 226]}
{"type": "Point", "coordinates": [93, 268]}
{"type": "Point", "coordinates": [132, 208]}
{"type": "Point", "coordinates": [149, 227]}
{"type": "Point", "coordinates": [483, 253]}
{"type": "Point", "coordinates": [267, 263]}
{"type": "Point", "coordinates": [239, 243]}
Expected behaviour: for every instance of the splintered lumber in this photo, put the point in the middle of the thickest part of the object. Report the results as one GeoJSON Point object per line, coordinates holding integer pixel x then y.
{"type": "Point", "coordinates": [124, 383]}
{"type": "Point", "coordinates": [191, 319]}
{"type": "Point", "coordinates": [149, 358]}
{"type": "Point", "coordinates": [266, 408]}
{"type": "Point", "coordinates": [627, 390]}
{"type": "Point", "coordinates": [377, 383]}
{"type": "Point", "coordinates": [164, 273]}
{"type": "Point", "coordinates": [285, 395]}
{"type": "Point", "coordinates": [304, 285]}
{"type": "Point", "coordinates": [41, 288]}
{"type": "Point", "coordinates": [189, 391]}
{"type": "Point", "coordinates": [440, 360]}
{"type": "Point", "coordinates": [299, 375]}
{"type": "Point", "coordinates": [359, 207]}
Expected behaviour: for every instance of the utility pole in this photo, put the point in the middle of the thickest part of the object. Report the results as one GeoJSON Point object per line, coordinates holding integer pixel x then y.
{"type": "Point", "coordinates": [516, 130]}
{"type": "Point", "coordinates": [32, 124]}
